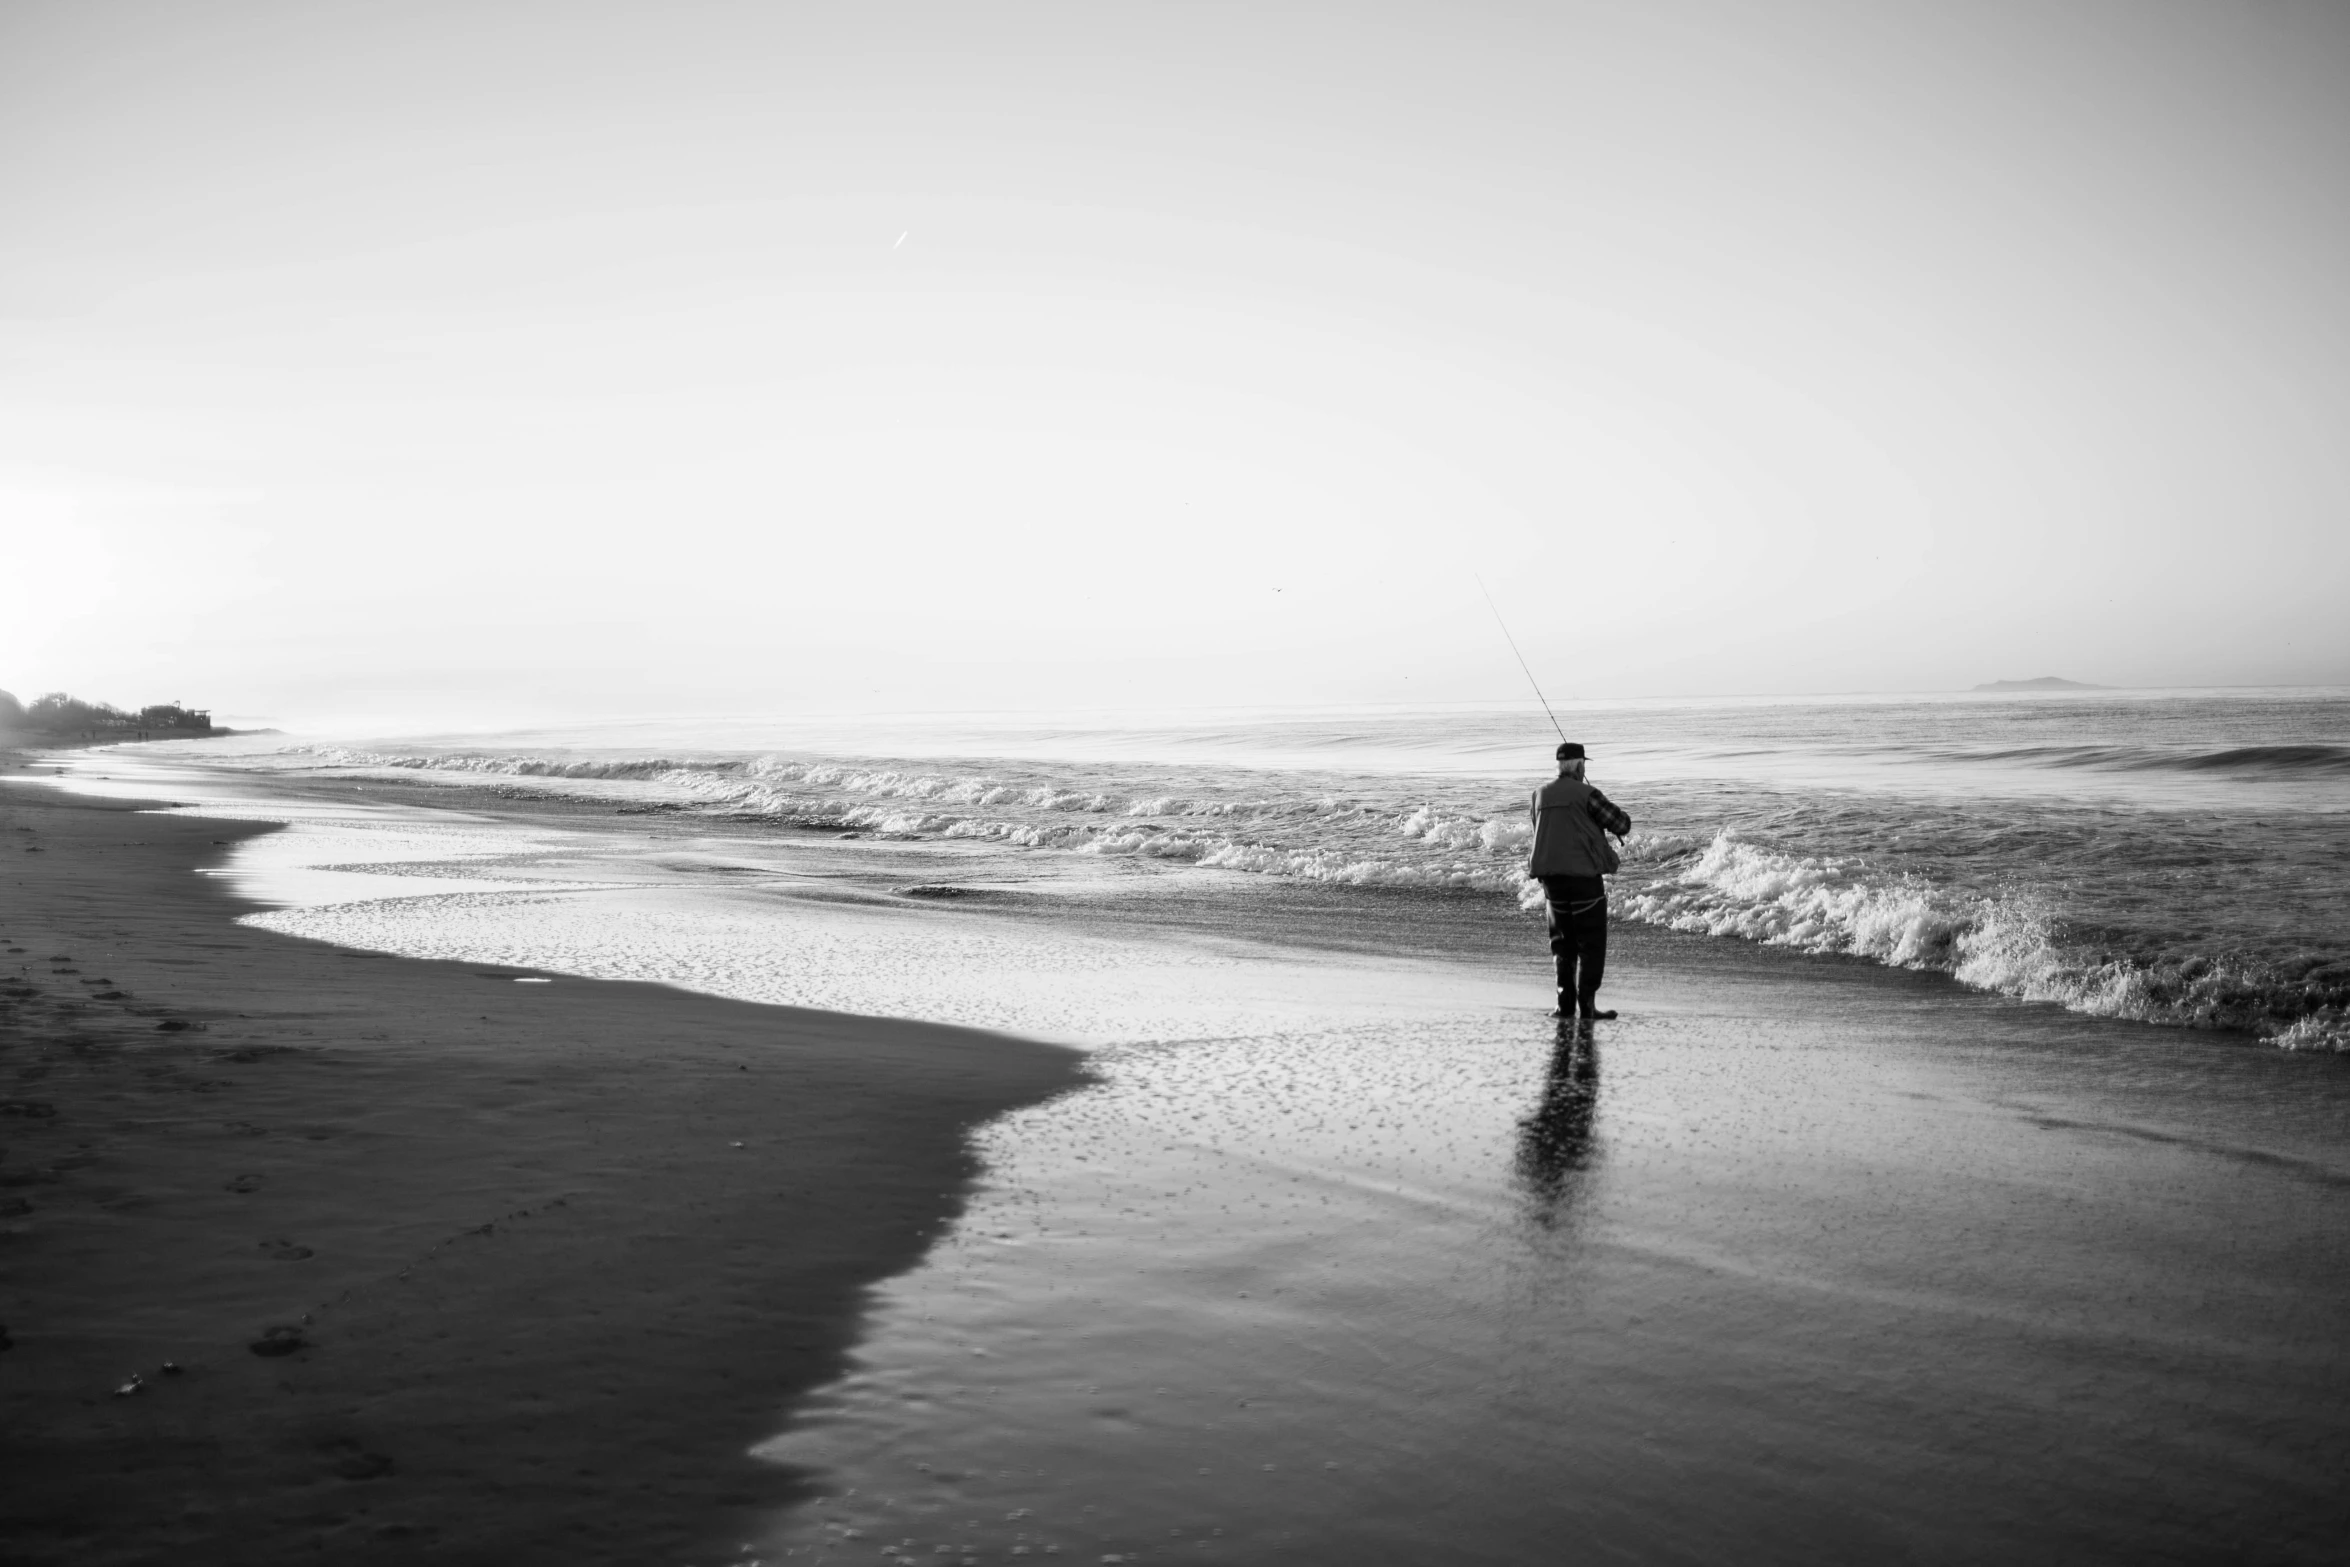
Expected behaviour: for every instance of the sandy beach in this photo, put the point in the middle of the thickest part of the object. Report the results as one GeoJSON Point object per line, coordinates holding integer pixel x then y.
{"type": "Point", "coordinates": [556, 1255]}
{"type": "Point", "coordinates": [1334, 1249]}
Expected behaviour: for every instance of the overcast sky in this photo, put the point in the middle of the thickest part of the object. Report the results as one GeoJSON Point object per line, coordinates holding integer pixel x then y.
{"type": "Point", "coordinates": [495, 359]}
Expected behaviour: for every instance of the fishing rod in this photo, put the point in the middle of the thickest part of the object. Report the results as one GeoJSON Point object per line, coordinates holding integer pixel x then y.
{"type": "Point", "coordinates": [1522, 664]}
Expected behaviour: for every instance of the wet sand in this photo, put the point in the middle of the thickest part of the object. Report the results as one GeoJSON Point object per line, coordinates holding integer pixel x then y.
{"type": "Point", "coordinates": [1797, 1262]}
{"type": "Point", "coordinates": [557, 1255]}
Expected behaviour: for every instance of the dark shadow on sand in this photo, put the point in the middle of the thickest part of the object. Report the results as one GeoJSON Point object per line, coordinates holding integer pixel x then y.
{"type": "Point", "coordinates": [1556, 1144]}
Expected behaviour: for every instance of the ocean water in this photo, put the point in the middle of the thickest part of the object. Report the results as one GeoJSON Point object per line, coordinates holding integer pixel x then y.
{"type": "Point", "coordinates": [2174, 858]}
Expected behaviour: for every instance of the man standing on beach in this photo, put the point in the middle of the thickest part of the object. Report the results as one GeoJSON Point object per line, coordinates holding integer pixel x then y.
{"type": "Point", "coordinates": [1571, 854]}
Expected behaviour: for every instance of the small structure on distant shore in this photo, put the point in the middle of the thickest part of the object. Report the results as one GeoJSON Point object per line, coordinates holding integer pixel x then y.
{"type": "Point", "coordinates": [59, 719]}
{"type": "Point", "coordinates": [2043, 683]}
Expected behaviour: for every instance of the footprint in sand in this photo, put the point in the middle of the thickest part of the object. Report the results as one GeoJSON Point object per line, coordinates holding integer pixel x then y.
{"type": "Point", "coordinates": [286, 1251]}
{"type": "Point", "coordinates": [281, 1340]}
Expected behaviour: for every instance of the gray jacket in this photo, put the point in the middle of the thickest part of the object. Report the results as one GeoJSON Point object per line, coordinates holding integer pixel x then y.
{"type": "Point", "coordinates": [1571, 824]}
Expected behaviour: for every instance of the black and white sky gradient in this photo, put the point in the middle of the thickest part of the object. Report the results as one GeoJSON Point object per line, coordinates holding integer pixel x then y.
{"type": "Point", "coordinates": [498, 360]}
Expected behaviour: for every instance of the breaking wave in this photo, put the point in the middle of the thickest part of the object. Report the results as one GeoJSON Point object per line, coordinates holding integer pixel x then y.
{"type": "Point", "coordinates": [1333, 836]}
{"type": "Point", "coordinates": [2256, 761]}
{"type": "Point", "coordinates": [2006, 942]}
{"type": "Point", "coordinates": [505, 766]}
{"type": "Point", "coordinates": [2012, 940]}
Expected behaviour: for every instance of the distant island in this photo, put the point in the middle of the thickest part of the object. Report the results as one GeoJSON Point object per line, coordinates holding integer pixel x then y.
{"type": "Point", "coordinates": [59, 719]}
{"type": "Point", "coordinates": [2044, 683]}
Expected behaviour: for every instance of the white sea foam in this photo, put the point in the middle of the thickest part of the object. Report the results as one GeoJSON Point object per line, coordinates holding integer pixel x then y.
{"type": "Point", "coordinates": [2318, 1031]}
{"type": "Point", "coordinates": [1290, 836]}
{"type": "Point", "coordinates": [1918, 898]}
{"type": "Point", "coordinates": [506, 766]}
{"type": "Point", "coordinates": [1738, 889]}
{"type": "Point", "coordinates": [2002, 942]}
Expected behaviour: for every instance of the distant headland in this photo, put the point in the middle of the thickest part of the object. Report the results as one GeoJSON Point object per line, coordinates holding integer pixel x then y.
{"type": "Point", "coordinates": [2044, 683]}
{"type": "Point", "coordinates": [59, 719]}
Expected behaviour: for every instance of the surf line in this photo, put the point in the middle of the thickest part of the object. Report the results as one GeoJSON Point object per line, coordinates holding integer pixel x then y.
{"type": "Point", "coordinates": [1522, 664]}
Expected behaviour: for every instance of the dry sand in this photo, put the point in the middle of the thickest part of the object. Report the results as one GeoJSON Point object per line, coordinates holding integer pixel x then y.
{"type": "Point", "coordinates": [556, 1254]}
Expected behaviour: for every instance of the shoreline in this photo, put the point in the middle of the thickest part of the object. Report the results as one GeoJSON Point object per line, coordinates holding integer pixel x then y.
{"type": "Point", "coordinates": [559, 1255]}
{"type": "Point", "coordinates": [2252, 979]}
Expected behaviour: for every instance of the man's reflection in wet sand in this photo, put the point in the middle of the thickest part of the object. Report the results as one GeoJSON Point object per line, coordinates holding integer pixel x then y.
{"type": "Point", "coordinates": [1554, 1141]}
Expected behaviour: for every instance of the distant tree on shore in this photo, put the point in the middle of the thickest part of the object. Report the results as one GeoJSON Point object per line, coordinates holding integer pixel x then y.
{"type": "Point", "coordinates": [58, 715]}
{"type": "Point", "coordinates": [56, 710]}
